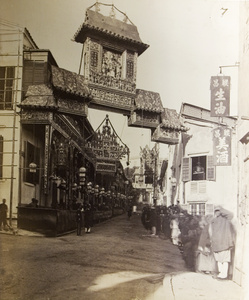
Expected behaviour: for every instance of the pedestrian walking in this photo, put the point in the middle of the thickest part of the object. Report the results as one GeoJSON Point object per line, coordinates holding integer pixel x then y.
{"type": "Point", "coordinates": [222, 240]}
{"type": "Point", "coordinates": [3, 215]}
{"type": "Point", "coordinates": [79, 219]}
{"type": "Point", "coordinates": [88, 217]}
{"type": "Point", "coordinates": [153, 221]}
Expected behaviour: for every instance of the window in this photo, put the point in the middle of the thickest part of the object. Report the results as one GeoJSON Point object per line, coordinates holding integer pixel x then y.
{"type": "Point", "coordinates": [129, 69]}
{"type": "Point", "coordinates": [34, 72]}
{"type": "Point", "coordinates": [198, 168]}
{"type": "Point", "coordinates": [7, 75]}
{"type": "Point", "coordinates": [1, 157]}
{"type": "Point", "coordinates": [197, 209]}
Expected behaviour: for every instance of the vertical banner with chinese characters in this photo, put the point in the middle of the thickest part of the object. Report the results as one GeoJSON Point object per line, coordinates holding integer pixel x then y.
{"type": "Point", "coordinates": [222, 146]}
{"type": "Point", "coordinates": [220, 96]}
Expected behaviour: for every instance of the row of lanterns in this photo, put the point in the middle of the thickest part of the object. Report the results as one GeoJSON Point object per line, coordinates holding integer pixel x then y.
{"type": "Point", "coordinates": [89, 188]}
{"type": "Point", "coordinates": [96, 190]}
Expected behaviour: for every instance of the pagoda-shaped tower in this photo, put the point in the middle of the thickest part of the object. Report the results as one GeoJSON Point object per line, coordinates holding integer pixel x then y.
{"type": "Point", "coordinates": [111, 46]}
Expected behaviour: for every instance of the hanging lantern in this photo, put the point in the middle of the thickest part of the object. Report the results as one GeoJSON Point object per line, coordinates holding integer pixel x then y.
{"type": "Point", "coordinates": [32, 167]}
{"type": "Point", "coordinates": [63, 184]}
{"type": "Point", "coordinates": [82, 175]}
{"type": "Point", "coordinates": [96, 190]}
{"type": "Point", "coordinates": [74, 187]}
{"type": "Point", "coordinates": [89, 187]}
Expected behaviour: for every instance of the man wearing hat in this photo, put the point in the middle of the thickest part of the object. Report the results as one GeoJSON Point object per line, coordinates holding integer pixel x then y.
{"type": "Point", "coordinates": [222, 239]}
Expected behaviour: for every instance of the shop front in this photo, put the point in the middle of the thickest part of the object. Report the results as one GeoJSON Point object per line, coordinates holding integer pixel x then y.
{"type": "Point", "coordinates": [54, 127]}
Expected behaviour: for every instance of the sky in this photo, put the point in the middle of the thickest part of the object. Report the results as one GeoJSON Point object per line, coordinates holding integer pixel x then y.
{"type": "Point", "coordinates": [189, 40]}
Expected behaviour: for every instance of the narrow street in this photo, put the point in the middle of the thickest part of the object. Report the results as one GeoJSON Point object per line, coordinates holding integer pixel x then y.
{"type": "Point", "coordinates": [117, 261]}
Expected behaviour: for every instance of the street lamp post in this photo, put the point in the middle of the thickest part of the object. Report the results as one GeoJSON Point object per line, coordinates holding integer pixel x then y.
{"type": "Point", "coordinates": [96, 194]}
{"type": "Point", "coordinates": [101, 194]}
{"type": "Point", "coordinates": [82, 176]}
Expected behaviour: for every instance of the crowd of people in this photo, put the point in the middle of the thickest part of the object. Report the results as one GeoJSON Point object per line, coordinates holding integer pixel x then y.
{"type": "Point", "coordinates": [205, 242]}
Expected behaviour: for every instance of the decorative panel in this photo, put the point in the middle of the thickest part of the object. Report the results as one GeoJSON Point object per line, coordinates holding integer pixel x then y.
{"type": "Point", "coordinates": [105, 145]}
{"type": "Point", "coordinates": [165, 135]}
{"type": "Point", "coordinates": [144, 119]}
{"type": "Point", "coordinates": [109, 82]}
{"type": "Point", "coordinates": [105, 167]}
{"type": "Point", "coordinates": [106, 70]}
{"type": "Point", "coordinates": [36, 117]}
{"type": "Point", "coordinates": [69, 128]}
{"type": "Point", "coordinates": [110, 98]}
{"type": "Point", "coordinates": [72, 106]}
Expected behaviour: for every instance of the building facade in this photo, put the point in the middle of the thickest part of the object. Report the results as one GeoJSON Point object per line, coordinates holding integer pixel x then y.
{"type": "Point", "coordinates": [14, 40]}
{"type": "Point", "coordinates": [241, 272]}
{"type": "Point", "coordinates": [200, 184]}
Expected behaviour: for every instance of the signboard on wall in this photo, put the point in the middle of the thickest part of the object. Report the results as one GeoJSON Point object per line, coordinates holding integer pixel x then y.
{"type": "Point", "coordinates": [220, 96]}
{"type": "Point", "coordinates": [222, 146]}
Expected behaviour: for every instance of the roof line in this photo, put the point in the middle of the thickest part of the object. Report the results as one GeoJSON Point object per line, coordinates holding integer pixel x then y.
{"type": "Point", "coordinates": [10, 24]}
{"type": "Point", "coordinates": [184, 103]}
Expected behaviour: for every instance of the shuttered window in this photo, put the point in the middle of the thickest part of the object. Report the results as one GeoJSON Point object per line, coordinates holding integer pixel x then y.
{"type": "Point", "coordinates": [194, 187]}
{"type": "Point", "coordinates": [7, 75]}
{"type": "Point", "coordinates": [1, 157]}
{"type": "Point", "coordinates": [197, 209]}
{"type": "Point", "coordinates": [186, 169]}
{"type": "Point", "coordinates": [34, 72]}
{"type": "Point", "coordinates": [208, 169]}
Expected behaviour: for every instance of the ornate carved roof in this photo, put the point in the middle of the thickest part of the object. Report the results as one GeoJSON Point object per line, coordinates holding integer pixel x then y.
{"type": "Point", "coordinates": [75, 93]}
{"type": "Point", "coordinates": [70, 82]}
{"type": "Point", "coordinates": [40, 96]}
{"type": "Point", "coordinates": [148, 101]}
{"type": "Point", "coordinates": [171, 119]}
{"type": "Point", "coordinates": [110, 26]}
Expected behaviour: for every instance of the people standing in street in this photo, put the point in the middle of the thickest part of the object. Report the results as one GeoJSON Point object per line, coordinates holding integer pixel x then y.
{"type": "Point", "coordinates": [88, 217]}
{"type": "Point", "coordinates": [175, 231]}
{"type": "Point", "coordinates": [205, 261]}
{"type": "Point", "coordinates": [79, 219]}
{"type": "Point", "coordinates": [153, 221]}
{"type": "Point", "coordinates": [222, 240]}
{"type": "Point", "coordinates": [3, 215]}
{"type": "Point", "coordinates": [129, 211]}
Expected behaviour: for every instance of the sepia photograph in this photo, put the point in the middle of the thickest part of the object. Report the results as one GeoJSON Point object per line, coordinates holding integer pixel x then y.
{"type": "Point", "coordinates": [124, 149]}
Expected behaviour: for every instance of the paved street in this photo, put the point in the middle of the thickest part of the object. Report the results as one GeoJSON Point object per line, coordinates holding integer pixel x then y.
{"type": "Point", "coordinates": [117, 261]}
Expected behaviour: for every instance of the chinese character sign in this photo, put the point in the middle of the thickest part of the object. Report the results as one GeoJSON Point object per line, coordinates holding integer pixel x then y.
{"type": "Point", "coordinates": [222, 146]}
{"type": "Point", "coordinates": [220, 96]}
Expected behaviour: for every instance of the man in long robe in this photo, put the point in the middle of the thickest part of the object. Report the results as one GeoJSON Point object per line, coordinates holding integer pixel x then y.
{"type": "Point", "coordinates": [222, 240]}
